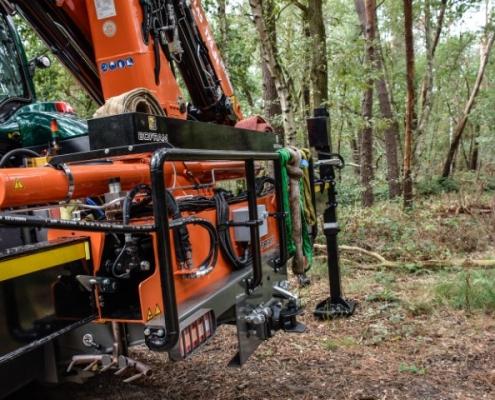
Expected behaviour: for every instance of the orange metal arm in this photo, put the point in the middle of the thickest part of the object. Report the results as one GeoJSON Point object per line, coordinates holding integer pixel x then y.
{"type": "Point", "coordinates": [39, 185]}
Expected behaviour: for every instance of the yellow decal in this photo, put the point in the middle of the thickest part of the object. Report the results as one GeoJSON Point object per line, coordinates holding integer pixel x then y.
{"type": "Point", "coordinates": [157, 310]}
{"type": "Point", "coordinates": [150, 315]}
{"type": "Point", "coordinates": [18, 184]}
{"type": "Point", "coordinates": [152, 123]}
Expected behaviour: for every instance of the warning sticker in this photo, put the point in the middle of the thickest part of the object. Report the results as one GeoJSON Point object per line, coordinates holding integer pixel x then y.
{"type": "Point", "coordinates": [157, 310]}
{"type": "Point", "coordinates": [105, 9]}
{"type": "Point", "coordinates": [152, 315]}
{"type": "Point", "coordinates": [18, 185]}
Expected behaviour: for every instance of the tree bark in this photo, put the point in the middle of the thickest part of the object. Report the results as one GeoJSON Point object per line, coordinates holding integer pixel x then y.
{"type": "Point", "coordinates": [306, 80]}
{"type": "Point", "coordinates": [313, 18]}
{"type": "Point", "coordinates": [223, 25]}
{"type": "Point", "coordinates": [271, 103]}
{"type": "Point", "coordinates": [474, 156]}
{"type": "Point", "coordinates": [408, 137]}
{"type": "Point", "coordinates": [391, 133]}
{"type": "Point", "coordinates": [356, 155]}
{"type": "Point", "coordinates": [270, 56]}
{"type": "Point", "coordinates": [367, 108]}
{"type": "Point", "coordinates": [431, 47]}
{"type": "Point", "coordinates": [319, 62]}
{"type": "Point", "coordinates": [461, 124]}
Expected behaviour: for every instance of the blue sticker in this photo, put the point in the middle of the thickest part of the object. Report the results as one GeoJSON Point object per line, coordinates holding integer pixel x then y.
{"type": "Point", "coordinates": [104, 67]}
{"type": "Point", "coordinates": [113, 65]}
{"type": "Point", "coordinates": [121, 64]}
{"type": "Point", "coordinates": [129, 62]}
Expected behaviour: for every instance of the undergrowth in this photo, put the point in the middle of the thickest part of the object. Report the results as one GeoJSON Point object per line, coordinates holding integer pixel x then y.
{"type": "Point", "coordinates": [468, 290]}
{"type": "Point", "coordinates": [438, 227]}
{"type": "Point", "coordinates": [445, 224]}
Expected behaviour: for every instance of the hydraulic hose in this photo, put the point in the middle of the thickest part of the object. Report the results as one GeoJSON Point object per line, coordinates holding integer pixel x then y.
{"type": "Point", "coordinates": [225, 240]}
{"type": "Point", "coordinates": [6, 157]}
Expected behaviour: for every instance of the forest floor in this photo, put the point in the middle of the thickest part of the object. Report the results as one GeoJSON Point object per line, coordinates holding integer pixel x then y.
{"type": "Point", "coordinates": [421, 330]}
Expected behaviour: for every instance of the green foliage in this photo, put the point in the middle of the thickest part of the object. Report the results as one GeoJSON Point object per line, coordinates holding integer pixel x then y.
{"type": "Point", "coordinates": [427, 232]}
{"type": "Point", "coordinates": [468, 290]}
{"type": "Point", "coordinates": [455, 67]}
{"type": "Point", "coordinates": [54, 83]}
{"type": "Point", "coordinates": [435, 186]}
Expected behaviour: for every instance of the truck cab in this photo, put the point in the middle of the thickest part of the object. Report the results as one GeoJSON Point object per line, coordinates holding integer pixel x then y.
{"type": "Point", "coordinates": [25, 122]}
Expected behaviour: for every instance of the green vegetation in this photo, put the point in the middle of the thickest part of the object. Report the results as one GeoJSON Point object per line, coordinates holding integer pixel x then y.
{"type": "Point", "coordinates": [467, 290]}
{"type": "Point", "coordinates": [338, 343]}
{"type": "Point", "coordinates": [412, 368]}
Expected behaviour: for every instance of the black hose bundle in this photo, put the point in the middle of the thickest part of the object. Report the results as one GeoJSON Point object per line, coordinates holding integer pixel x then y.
{"type": "Point", "coordinates": [225, 240]}
{"type": "Point", "coordinates": [209, 262]}
{"type": "Point", "coordinates": [182, 243]}
{"type": "Point", "coordinates": [200, 203]}
{"type": "Point", "coordinates": [126, 212]}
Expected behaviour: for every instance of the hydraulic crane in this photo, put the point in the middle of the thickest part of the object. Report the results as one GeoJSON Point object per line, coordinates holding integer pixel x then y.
{"type": "Point", "coordinates": [170, 224]}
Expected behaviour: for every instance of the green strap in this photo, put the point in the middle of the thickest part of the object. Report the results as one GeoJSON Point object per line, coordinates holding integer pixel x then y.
{"type": "Point", "coordinates": [285, 157]}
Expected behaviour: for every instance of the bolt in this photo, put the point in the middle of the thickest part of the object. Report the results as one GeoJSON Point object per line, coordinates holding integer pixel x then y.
{"type": "Point", "coordinates": [88, 340]}
{"type": "Point", "coordinates": [160, 333]}
{"type": "Point", "coordinates": [147, 332]}
{"type": "Point", "coordinates": [145, 265]}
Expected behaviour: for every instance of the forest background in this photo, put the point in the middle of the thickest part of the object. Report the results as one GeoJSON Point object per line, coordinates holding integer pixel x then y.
{"type": "Point", "coordinates": [286, 57]}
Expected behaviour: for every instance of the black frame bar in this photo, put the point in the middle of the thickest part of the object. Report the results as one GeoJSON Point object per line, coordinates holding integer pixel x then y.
{"type": "Point", "coordinates": [160, 211]}
{"type": "Point", "coordinates": [162, 226]}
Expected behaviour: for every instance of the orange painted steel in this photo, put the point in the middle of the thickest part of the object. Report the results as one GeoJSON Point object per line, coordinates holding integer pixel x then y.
{"type": "Point", "coordinates": [39, 185]}
{"type": "Point", "coordinates": [150, 289]}
{"type": "Point", "coordinates": [125, 62]}
{"type": "Point", "coordinates": [119, 38]}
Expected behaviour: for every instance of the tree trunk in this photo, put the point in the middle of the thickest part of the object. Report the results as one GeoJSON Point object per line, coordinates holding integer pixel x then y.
{"type": "Point", "coordinates": [473, 160]}
{"type": "Point", "coordinates": [391, 133]}
{"type": "Point", "coordinates": [306, 80]}
{"type": "Point", "coordinates": [319, 62]}
{"type": "Point", "coordinates": [431, 47]}
{"type": "Point", "coordinates": [270, 56]}
{"type": "Point", "coordinates": [223, 25]}
{"type": "Point", "coordinates": [356, 155]}
{"type": "Point", "coordinates": [367, 108]}
{"type": "Point", "coordinates": [409, 43]}
{"type": "Point", "coordinates": [271, 103]}
{"type": "Point", "coordinates": [461, 124]}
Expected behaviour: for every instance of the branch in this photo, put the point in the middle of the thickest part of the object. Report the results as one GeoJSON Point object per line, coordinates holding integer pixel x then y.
{"type": "Point", "coordinates": [301, 6]}
{"type": "Point", "coordinates": [427, 264]}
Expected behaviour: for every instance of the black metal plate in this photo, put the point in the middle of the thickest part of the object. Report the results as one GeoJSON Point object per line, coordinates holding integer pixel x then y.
{"type": "Point", "coordinates": [138, 128]}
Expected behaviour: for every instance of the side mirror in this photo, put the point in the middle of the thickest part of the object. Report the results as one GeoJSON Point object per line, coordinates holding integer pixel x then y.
{"type": "Point", "coordinates": [41, 62]}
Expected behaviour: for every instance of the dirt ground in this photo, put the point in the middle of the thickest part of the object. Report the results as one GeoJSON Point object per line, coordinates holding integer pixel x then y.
{"type": "Point", "coordinates": [396, 346]}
